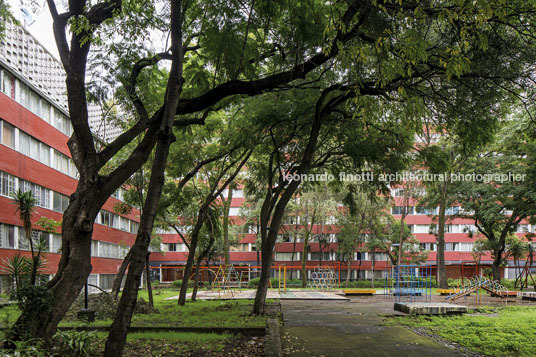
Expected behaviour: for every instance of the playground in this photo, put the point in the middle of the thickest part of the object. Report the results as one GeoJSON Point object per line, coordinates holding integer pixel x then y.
{"type": "Point", "coordinates": [402, 318]}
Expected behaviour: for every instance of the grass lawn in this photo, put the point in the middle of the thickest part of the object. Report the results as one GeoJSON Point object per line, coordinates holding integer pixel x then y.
{"type": "Point", "coordinates": [167, 343]}
{"type": "Point", "coordinates": [501, 331]}
{"type": "Point", "coordinates": [202, 313]}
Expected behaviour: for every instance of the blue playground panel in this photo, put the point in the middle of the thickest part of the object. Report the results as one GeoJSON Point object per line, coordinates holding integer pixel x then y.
{"type": "Point", "coordinates": [410, 283]}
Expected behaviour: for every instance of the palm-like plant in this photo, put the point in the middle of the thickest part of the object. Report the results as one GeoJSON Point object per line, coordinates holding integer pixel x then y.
{"type": "Point", "coordinates": [17, 267]}
{"type": "Point", "coordinates": [26, 202]}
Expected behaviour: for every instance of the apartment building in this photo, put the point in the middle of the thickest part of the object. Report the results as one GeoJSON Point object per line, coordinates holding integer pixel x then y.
{"type": "Point", "coordinates": [34, 129]}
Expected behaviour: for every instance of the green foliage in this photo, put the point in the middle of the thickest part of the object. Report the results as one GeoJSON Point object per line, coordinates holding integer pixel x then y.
{"type": "Point", "coordinates": [177, 284]}
{"type": "Point", "coordinates": [26, 348]}
{"type": "Point", "coordinates": [254, 283]}
{"type": "Point", "coordinates": [508, 332]}
{"type": "Point", "coordinates": [25, 204]}
{"type": "Point", "coordinates": [49, 225]}
{"type": "Point", "coordinates": [35, 300]}
{"type": "Point", "coordinates": [18, 268]}
{"type": "Point", "coordinates": [75, 343]}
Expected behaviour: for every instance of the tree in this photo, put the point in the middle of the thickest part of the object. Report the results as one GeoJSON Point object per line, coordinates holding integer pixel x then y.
{"type": "Point", "coordinates": [516, 249]}
{"type": "Point", "coordinates": [315, 207]}
{"type": "Point", "coordinates": [447, 156]}
{"type": "Point", "coordinates": [271, 47]}
{"type": "Point", "coordinates": [494, 199]}
{"type": "Point", "coordinates": [362, 215]}
{"type": "Point", "coordinates": [192, 26]}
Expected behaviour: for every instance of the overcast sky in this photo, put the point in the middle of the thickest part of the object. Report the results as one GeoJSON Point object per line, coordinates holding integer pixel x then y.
{"type": "Point", "coordinates": [41, 28]}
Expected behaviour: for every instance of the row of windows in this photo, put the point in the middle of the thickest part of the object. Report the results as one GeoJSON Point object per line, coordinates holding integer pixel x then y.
{"type": "Point", "coordinates": [45, 198]}
{"type": "Point", "coordinates": [56, 201]}
{"type": "Point", "coordinates": [35, 149]}
{"type": "Point", "coordinates": [28, 98]}
{"type": "Point", "coordinates": [14, 237]}
{"type": "Point", "coordinates": [449, 228]}
{"type": "Point", "coordinates": [116, 221]}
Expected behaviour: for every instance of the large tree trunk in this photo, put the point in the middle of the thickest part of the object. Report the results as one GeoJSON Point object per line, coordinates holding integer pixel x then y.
{"type": "Point", "coordinates": [259, 306]}
{"type": "Point", "coordinates": [496, 266]}
{"type": "Point", "coordinates": [441, 267]}
{"type": "Point", "coordinates": [73, 269]}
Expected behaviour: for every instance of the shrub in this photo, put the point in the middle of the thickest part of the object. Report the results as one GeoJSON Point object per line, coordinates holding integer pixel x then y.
{"type": "Point", "coordinates": [254, 283]}
{"type": "Point", "coordinates": [178, 283]}
{"type": "Point", "coordinates": [75, 343]}
{"type": "Point", "coordinates": [508, 283]}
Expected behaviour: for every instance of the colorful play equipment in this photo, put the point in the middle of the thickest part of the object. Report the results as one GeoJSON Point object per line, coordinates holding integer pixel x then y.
{"type": "Point", "coordinates": [475, 285]}
{"type": "Point", "coordinates": [359, 292]}
{"type": "Point", "coordinates": [226, 279]}
{"type": "Point", "coordinates": [409, 283]}
{"type": "Point", "coordinates": [322, 278]}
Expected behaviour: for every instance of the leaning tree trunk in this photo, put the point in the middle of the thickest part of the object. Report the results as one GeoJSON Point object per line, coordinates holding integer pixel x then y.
{"type": "Point", "coordinates": [268, 244]}
{"type": "Point", "coordinates": [189, 265]}
{"type": "Point", "coordinates": [304, 259]}
{"type": "Point", "coordinates": [116, 340]}
{"type": "Point", "coordinates": [203, 255]}
{"type": "Point", "coordinates": [116, 287]}
{"type": "Point", "coordinates": [441, 267]}
{"type": "Point", "coordinates": [227, 208]}
{"type": "Point", "coordinates": [259, 306]}
{"type": "Point", "coordinates": [148, 280]}
{"type": "Point", "coordinates": [118, 331]}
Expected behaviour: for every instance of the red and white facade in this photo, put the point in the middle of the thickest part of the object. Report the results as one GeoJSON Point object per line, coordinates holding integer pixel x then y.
{"type": "Point", "coordinates": [34, 129]}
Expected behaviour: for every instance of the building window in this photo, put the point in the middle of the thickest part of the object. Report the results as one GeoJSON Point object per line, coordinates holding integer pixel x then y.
{"type": "Point", "coordinates": [56, 243]}
{"type": "Point", "coordinates": [59, 202]}
{"type": "Point", "coordinates": [7, 184]}
{"type": "Point", "coordinates": [452, 210]}
{"type": "Point", "coordinates": [8, 134]}
{"type": "Point", "coordinates": [286, 256]}
{"type": "Point", "coordinates": [7, 84]}
{"type": "Point", "coordinates": [321, 256]}
{"type": "Point", "coordinates": [424, 211]}
{"type": "Point", "coordinates": [172, 247]}
{"type": "Point", "coordinates": [134, 227]}
{"type": "Point", "coordinates": [41, 194]}
{"type": "Point", "coordinates": [400, 209]}
{"type": "Point", "coordinates": [7, 236]}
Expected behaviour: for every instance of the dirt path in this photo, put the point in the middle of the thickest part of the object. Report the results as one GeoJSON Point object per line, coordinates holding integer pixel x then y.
{"type": "Point", "coordinates": [353, 328]}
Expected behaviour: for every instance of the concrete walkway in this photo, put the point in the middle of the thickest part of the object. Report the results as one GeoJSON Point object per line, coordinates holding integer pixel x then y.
{"type": "Point", "coordinates": [352, 328]}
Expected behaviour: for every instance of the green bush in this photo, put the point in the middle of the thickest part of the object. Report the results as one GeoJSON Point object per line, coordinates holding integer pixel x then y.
{"type": "Point", "coordinates": [508, 283]}
{"type": "Point", "coordinates": [75, 343]}
{"type": "Point", "coordinates": [453, 283]}
{"type": "Point", "coordinates": [177, 284]}
{"type": "Point", "coordinates": [253, 283]}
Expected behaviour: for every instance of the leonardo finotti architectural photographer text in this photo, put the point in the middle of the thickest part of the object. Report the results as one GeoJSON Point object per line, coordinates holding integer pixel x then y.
{"type": "Point", "coordinates": [407, 176]}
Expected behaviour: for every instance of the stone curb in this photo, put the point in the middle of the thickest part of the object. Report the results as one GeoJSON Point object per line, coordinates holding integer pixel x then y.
{"type": "Point", "coordinates": [272, 345]}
